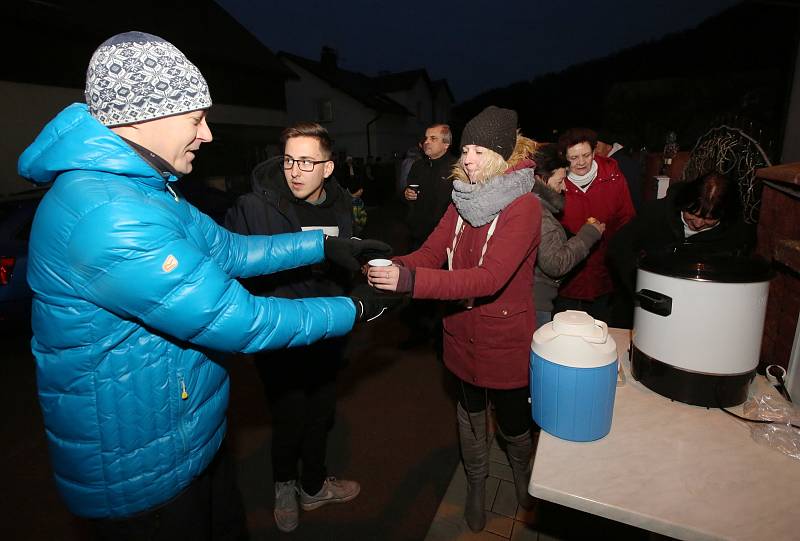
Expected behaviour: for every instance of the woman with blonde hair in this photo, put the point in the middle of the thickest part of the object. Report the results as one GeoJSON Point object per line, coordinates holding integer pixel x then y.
{"type": "Point", "coordinates": [487, 240]}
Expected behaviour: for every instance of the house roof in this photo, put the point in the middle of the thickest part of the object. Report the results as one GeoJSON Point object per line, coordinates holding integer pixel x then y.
{"type": "Point", "coordinates": [440, 85]}
{"type": "Point", "coordinates": [403, 80]}
{"type": "Point", "coordinates": [224, 40]}
{"type": "Point", "coordinates": [361, 87]}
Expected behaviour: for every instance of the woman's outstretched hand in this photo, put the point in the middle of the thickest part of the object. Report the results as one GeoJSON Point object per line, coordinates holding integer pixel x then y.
{"type": "Point", "coordinates": [384, 278]}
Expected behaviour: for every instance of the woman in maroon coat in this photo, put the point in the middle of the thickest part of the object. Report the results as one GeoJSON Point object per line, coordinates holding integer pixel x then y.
{"type": "Point", "coordinates": [487, 240]}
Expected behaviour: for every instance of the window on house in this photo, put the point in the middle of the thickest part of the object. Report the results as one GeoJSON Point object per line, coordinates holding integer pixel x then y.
{"type": "Point", "coordinates": [324, 111]}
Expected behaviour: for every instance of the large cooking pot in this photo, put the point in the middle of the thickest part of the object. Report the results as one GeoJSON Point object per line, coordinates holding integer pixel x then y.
{"type": "Point", "coordinates": [697, 326]}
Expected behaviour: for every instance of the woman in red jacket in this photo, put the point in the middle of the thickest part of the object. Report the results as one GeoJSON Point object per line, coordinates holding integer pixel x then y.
{"type": "Point", "coordinates": [487, 240]}
{"type": "Point", "coordinates": [595, 191]}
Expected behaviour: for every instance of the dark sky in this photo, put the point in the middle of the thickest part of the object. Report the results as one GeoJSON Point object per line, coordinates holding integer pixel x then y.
{"type": "Point", "coordinates": [475, 44]}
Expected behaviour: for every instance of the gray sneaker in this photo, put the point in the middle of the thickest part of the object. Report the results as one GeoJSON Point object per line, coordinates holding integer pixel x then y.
{"type": "Point", "coordinates": [333, 491]}
{"type": "Point", "coordinates": [286, 512]}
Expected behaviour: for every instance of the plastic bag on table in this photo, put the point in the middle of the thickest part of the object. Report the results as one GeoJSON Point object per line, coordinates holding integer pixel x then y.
{"type": "Point", "coordinates": [780, 434]}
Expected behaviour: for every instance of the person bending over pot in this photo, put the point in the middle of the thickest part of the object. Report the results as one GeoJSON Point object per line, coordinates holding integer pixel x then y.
{"type": "Point", "coordinates": [699, 218]}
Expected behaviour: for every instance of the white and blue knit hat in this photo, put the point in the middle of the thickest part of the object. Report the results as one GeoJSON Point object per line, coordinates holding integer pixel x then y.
{"type": "Point", "coordinates": [134, 77]}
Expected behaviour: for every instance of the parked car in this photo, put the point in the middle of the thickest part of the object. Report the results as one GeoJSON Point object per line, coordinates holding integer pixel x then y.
{"type": "Point", "coordinates": [16, 217]}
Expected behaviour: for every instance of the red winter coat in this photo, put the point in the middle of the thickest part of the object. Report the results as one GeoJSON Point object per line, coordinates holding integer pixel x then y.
{"type": "Point", "coordinates": [489, 344]}
{"type": "Point", "coordinates": [608, 200]}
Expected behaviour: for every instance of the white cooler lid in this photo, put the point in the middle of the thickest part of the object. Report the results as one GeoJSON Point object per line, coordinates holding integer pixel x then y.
{"type": "Point", "coordinates": [575, 339]}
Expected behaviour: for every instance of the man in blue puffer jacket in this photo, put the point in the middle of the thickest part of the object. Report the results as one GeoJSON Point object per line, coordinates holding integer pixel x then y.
{"type": "Point", "coordinates": [136, 297]}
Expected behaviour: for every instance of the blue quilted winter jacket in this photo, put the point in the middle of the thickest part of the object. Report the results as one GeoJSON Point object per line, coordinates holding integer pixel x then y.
{"type": "Point", "coordinates": [135, 296]}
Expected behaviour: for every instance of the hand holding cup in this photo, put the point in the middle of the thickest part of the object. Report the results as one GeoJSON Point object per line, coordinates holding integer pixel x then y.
{"type": "Point", "coordinates": [382, 274]}
{"type": "Point", "coordinates": [411, 192]}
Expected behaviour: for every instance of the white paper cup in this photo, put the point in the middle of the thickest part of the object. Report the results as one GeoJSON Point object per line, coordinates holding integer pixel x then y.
{"type": "Point", "coordinates": [379, 263]}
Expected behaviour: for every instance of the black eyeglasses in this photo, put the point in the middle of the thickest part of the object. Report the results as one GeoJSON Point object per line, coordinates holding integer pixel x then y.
{"type": "Point", "coordinates": [304, 164]}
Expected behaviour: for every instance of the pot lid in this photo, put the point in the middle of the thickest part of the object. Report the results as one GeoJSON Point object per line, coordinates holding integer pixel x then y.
{"type": "Point", "coordinates": [733, 269]}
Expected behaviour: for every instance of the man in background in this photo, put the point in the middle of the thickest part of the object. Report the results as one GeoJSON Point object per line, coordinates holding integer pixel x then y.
{"type": "Point", "coordinates": [431, 174]}
{"type": "Point", "coordinates": [428, 193]}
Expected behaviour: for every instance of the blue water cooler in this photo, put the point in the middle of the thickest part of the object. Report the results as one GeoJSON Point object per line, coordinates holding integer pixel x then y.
{"type": "Point", "coordinates": [573, 377]}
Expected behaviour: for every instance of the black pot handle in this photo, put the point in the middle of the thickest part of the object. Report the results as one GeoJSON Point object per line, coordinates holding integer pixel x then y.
{"type": "Point", "coordinates": [654, 302]}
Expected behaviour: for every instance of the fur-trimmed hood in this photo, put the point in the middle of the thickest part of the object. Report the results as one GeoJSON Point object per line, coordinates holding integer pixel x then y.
{"type": "Point", "coordinates": [523, 150]}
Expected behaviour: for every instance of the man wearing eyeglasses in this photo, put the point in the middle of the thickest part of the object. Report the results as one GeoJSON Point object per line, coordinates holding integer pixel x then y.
{"type": "Point", "coordinates": [296, 192]}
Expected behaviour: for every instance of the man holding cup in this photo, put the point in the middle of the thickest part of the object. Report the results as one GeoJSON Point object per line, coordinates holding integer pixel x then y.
{"type": "Point", "coordinates": [428, 189]}
{"type": "Point", "coordinates": [428, 195]}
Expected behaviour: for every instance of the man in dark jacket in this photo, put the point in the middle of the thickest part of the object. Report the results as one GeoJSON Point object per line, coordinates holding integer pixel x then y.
{"type": "Point", "coordinates": [297, 193]}
{"type": "Point", "coordinates": [429, 187]}
{"type": "Point", "coordinates": [428, 193]}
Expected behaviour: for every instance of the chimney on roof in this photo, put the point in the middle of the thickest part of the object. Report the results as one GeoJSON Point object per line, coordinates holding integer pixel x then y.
{"type": "Point", "coordinates": [328, 57]}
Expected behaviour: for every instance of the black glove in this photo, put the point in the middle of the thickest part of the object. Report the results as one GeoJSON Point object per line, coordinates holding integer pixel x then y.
{"type": "Point", "coordinates": [351, 253]}
{"type": "Point", "coordinates": [371, 303]}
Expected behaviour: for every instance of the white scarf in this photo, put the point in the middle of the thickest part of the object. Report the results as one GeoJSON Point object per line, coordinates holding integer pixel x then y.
{"type": "Point", "coordinates": [584, 181]}
{"type": "Point", "coordinates": [688, 231]}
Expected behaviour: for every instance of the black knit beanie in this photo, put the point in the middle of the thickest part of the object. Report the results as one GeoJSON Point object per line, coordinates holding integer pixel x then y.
{"type": "Point", "coordinates": [493, 128]}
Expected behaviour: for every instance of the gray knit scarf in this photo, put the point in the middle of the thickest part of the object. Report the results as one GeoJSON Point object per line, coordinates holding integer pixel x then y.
{"type": "Point", "coordinates": [478, 204]}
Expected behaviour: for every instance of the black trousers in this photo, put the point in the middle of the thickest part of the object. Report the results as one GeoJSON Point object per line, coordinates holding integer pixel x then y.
{"type": "Point", "coordinates": [210, 508]}
{"type": "Point", "coordinates": [512, 410]}
{"type": "Point", "coordinates": [300, 384]}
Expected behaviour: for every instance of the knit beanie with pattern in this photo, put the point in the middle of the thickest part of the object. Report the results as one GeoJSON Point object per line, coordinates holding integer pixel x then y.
{"type": "Point", "coordinates": [134, 77]}
{"type": "Point", "coordinates": [493, 128]}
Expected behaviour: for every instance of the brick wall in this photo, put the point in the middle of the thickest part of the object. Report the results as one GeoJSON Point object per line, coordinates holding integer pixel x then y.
{"type": "Point", "coordinates": [779, 242]}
